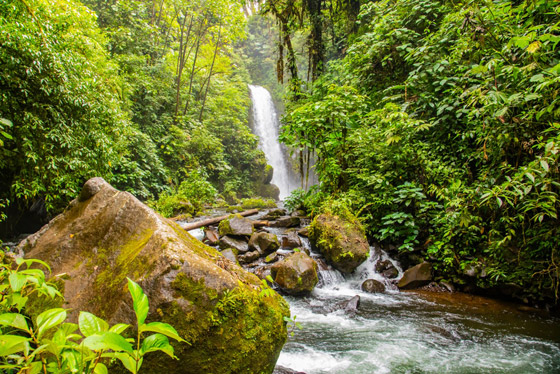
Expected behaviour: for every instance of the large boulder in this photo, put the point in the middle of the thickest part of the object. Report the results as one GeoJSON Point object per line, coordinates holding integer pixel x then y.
{"type": "Point", "coordinates": [264, 242]}
{"type": "Point", "coordinates": [296, 274]}
{"type": "Point", "coordinates": [341, 240]}
{"type": "Point", "coordinates": [373, 286]}
{"type": "Point", "coordinates": [291, 240]}
{"type": "Point", "coordinates": [417, 276]}
{"type": "Point", "coordinates": [236, 225]}
{"type": "Point", "coordinates": [107, 235]}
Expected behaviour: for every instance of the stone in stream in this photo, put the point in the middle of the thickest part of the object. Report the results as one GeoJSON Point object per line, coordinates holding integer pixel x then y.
{"type": "Point", "coordinates": [109, 235]}
{"type": "Point", "coordinates": [274, 214]}
{"type": "Point", "coordinates": [264, 242]}
{"type": "Point", "coordinates": [387, 269]}
{"type": "Point", "coordinates": [296, 274]}
{"type": "Point", "coordinates": [286, 221]}
{"type": "Point", "coordinates": [229, 254]}
{"type": "Point", "coordinates": [236, 225]}
{"type": "Point", "coordinates": [291, 240]}
{"type": "Point", "coordinates": [284, 370]}
{"type": "Point", "coordinates": [273, 257]}
{"type": "Point", "coordinates": [212, 236]}
{"type": "Point", "coordinates": [373, 286]}
{"type": "Point", "coordinates": [248, 257]}
{"type": "Point", "coordinates": [352, 305]}
{"type": "Point", "coordinates": [341, 240]}
{"type": "Point", "coordinates": [416, 276]}
{"type": "Point", "coordinates": [240, 246]}
{"type": "Point", "coordinates": [304, 231]}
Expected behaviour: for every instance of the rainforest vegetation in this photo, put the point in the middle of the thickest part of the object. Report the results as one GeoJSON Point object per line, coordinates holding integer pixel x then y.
{"type": "Point", "coordinates": [434, 121]}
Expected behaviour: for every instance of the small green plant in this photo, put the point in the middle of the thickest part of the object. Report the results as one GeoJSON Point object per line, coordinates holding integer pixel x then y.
{"type": "Point", "coordinates": [47, 344]}
{"type": "Point", "coordinates": [292, 324]}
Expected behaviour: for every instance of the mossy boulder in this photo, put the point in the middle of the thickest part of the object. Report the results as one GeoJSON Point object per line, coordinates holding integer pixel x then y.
{"type": "Point", "coordinates": [264, 242]}
{"type": "Point", "coordinates": [296, 274]}
{"type": "Point", "coordinates": [108, 235]}
{"type": "Point", "coordinates": [269, 191]}
{"type": "Point", "coordinates": [340, 239]}
{"type": "Point", "coordinates": [236, 225]}
{"type": "Point", "coordinates": [268, 174]}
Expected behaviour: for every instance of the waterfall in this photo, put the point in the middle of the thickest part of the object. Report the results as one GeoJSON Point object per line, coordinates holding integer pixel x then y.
{"type": "Point", "coordinates": [266, 126]}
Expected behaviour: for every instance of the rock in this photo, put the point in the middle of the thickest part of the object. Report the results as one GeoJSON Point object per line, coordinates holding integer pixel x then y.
{"type": "Point", "coordinates": [238, 245]}
{"type": "Point", "coordinates": [273, 257]}
{"type": "Point", "coordinates": [387, 269]}
{"type": "Point", "coordinates": [352, 305]}
{"type": "Point", "coordinates": [268, 174]}
{"type": "Point", "coordinates": [262, 271]}
{"type": "Point", "coordinates": [291, 240]}
{"type": "Point", "coordinates": [274, 214]}
{"type": "Point", "coordinates": [91, 187]}
{"type": "Point", "coordinates": [391, 273]}
{"type": "Point", "coordinates": [102, 240]}
{"type": "Point", "coordinates": [264, 242]}
{"type": "Point", "coordinates": [304, 231]}
{"type": "Point", "coordinates": [373, 286]}
{"type": "Point", "coordinates": [212, 236]}
{"type": "Point", "coordinates": [416, 276]}
{"type": "Point", "coordinates": [269, 191]}
{"type": "Point", "coordinates": [248, 257]}
{"type": "Point", "coordinates": [296, 274]}
{"type": "Point", "coordinates": [229, 254]}
{"type": "Point", "coordinates": [298, 213]}
{"type": "Point", "coordinates": [236, 225]}
{"type": "Point", "coordinates": [284, 370]}
{"type": "Point", "coordinates": [286, 221]}
{"type": "Point", "coordinates": [341, 241]}
{"type": "Point", "coordinates": [448, 286]}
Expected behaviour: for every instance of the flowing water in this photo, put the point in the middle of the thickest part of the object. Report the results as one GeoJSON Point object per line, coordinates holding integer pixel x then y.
{"type": "Point", "coordinates": [405, 332]}
{"type": "Point", "coordinates": [266, 125]}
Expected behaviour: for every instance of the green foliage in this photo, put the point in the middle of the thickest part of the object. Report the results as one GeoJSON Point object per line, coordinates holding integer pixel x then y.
{"type": "Point", "coordinates": [47, 344]}
{"type": "Point", "coordinates": [439, 127]}
{"type": "Point", "coordinates": [257, 203]}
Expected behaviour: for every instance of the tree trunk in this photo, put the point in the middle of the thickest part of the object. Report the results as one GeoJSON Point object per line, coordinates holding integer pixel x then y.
{"type": "Point", "coordinates": [210, 73]}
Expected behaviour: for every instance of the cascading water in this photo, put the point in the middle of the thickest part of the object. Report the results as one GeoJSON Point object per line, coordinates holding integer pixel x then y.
{"type": "Point", "coordinates": [399, 332]}
{"type": "Point", "coordinates": [266, 126]}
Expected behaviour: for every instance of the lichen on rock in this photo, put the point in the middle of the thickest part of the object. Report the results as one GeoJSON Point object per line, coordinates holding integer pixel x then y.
{"type": "Point", "coordinates": [214, 304]}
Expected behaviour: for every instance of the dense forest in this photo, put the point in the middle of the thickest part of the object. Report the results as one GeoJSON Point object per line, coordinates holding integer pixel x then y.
{"type": "Point", "coordinates": [434, 122]}
{"type": "Point", "coordinates": [437, 123]}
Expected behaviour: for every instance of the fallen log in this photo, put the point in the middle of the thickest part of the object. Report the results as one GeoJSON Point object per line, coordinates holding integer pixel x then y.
{"type": "Point", "coordinates": [214, 220]}
{"type": "Point", "coordinates": [261, 223]}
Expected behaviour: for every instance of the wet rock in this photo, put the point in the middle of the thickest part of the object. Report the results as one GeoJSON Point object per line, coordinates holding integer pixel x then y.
{"type": "Point", "coordinates": [248, 257]}
{"type": "Point", "coordinates": [236, 225]}
{"type": "Point", "coordinates": [286, 221]}
{"type": "Point", "coordinates": [262, 271]}
{"type": "Point", "coordinates": [391, 273]}
{"type": "Point", "coordinates": [102, 240]}
{"type": "Point", "coordinates": [416, 276]}
{"type": "Point", "coordinates": [212, 236]}
{"type": "Point", "coordinates": [274, 214]}
{"type": "Point", "coordinates": [264, 242]}
{"type": "Point", "coordinates": [284, 370]}
{"type": "Point", "coordinates": [273, 257]}
{"type": "Point", "coordinates": [291, 240]}
{"type": "Point", "coordinates": [304, 231]}
{"type": "Point", "coordinates": [239, 245]}
{"type": "Point", "coordinates": [373, 286]}
{"type": "Point", "coordinates": [448, 286]}
{"type": "Point", "coordinates": [352, 305]}
{"type": "Point", "coordinates": [295, 274]}
{"type": "Point", "coordinates": [387, 269]}
{"type": "Point", "coordinates": [341, 241]}
{"type": "Point", "coordinates": [298, 213]}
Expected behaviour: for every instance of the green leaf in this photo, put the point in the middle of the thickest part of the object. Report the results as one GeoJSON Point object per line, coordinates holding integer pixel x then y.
{"type": "Point", "coordinates": [35, 367]}
{"type": "Point", "coordinates": [10, 344]}
{"type": "Point", "coordinates": [49, 319]}
{"type": "Point", "coordinates": [17, 281]}
{"type": "Point", "coordinates": [90, 324]}
{"type": "Point", "coordinates": [530, 176]}
{"type": "Point", "coordinates": [140, 301]}
{"type": "Point", "coordinates": [100, 369]}
{"type": "Point", "coordinates": [162, 328]}
{"type": "Point", "coordinates": [107, 340]}
{"type": "Point", "coordinates": [128, 361]}
{"type": "Point", "coordinates": [6, 135]}
{"type": "Point", "coordinates": [544, 165]}
{"type": "Point", "coordinates": [157, 342]}
{"type": "Point", "coordinates": [14, 320]}
{"type": "Point", "coordinates": [119, 328]}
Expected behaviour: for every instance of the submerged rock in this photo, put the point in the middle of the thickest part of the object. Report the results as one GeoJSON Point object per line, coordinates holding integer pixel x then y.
{"type": "Point", "coordinates": [416, 276]}
{"type": "Point", "coordinates": [236, 225]}
{"type": "Point", "coordinates": [109, 236]}
{"type": "Point", "coordinates": [341, 241]}
{"type": "Point", "coordinates": [264, 242]}
{"type": "Point", "coordinates": [296, 274]}
{"type": "Point", "coordinates": [373, 286]}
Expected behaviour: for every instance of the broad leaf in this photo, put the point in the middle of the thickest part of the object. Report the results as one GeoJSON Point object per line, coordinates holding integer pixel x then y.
{"type": "Point", "coordinates": [107, 340]}
{"type": "Point", "coordinates": [157, 342]}
{"type": "Point", "coordinates": [119, 328]}
{"type": "Point", "coordinates": [90, 324]}
{"type": "Point", "coordinates": [49, 319]}
{"type": "Point", "coordinates": [128, 362]}
{"type": "Point", "coordinates": [10, 344]}
{"type": "Point", "coordinates": [140, 301]}
{"type": "Point", "coordinates": [14, 320]}
{"type": "Point", "coordinates": [100, 369]}
{"type": "Point", "coordinates": [162, 328]}
{"type": "Point", "coordinates": [17, 281]}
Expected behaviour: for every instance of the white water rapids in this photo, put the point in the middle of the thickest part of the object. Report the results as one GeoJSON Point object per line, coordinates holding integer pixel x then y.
{"type": "Point", "coordinates": [266, 125]}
